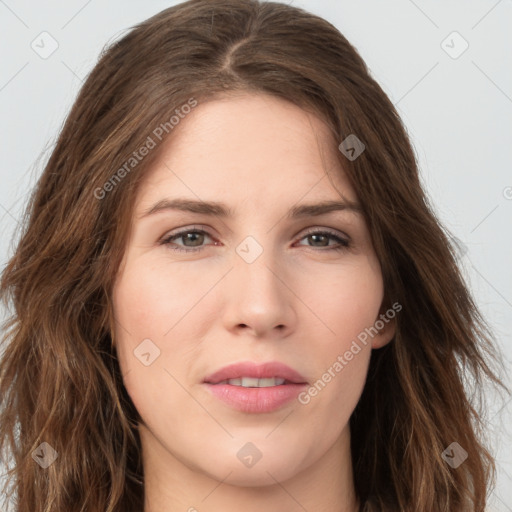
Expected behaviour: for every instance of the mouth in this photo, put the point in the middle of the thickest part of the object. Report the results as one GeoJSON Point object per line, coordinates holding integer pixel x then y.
{"type": "Point", "coordinates": [253, 388]}
{"type": "Point", "coordinates": [253, 382]}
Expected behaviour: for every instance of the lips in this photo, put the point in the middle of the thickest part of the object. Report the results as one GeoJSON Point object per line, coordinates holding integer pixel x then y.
{"type": "Point", "coordinates": [255, 388]}
{"type": "Point", "coordinates": [256, 371]}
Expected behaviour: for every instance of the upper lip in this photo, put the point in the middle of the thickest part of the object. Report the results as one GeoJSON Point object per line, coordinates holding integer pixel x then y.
{"type": "Point", "coordinates": [254, 370]}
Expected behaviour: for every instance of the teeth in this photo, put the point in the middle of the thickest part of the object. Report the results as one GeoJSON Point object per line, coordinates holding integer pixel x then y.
{"type": "Point", "coordinates": [251, 382]}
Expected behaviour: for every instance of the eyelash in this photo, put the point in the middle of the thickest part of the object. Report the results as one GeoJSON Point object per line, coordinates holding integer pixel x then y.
{"type": "Point", "coordinates": [344, 244]}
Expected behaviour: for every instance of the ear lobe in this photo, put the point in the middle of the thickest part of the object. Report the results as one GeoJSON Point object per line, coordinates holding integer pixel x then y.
{"type": "Point", "coordinates": [386, 326]}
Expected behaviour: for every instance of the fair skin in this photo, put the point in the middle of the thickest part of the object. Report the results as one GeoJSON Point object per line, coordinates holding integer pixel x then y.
{"type": "Point", "coordinates": [299, 302]}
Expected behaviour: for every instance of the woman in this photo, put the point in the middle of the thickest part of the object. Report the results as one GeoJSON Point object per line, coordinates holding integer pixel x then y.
{"type": "Point", "coordinates": [201, 320]}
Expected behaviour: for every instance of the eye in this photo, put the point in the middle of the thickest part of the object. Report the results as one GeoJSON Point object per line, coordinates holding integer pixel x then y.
{"type": "Point", "coordinates": [326, 236]}
{"type": "Point", "coordinates": [196, 236]}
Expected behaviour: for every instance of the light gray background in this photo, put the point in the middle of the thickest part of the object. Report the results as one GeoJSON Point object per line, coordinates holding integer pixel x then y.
{"type": "Point", "coordinates": [457, 110]}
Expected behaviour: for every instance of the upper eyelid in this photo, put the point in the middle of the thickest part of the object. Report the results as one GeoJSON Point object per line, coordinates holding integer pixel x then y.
{"type": "Point", "coordinates": [181, 231]}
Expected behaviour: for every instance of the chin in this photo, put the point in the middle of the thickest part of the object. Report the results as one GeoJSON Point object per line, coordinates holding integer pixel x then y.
{"type": "Point", "coordinates": [253, 477]}
{"type": "Point", "coordinates": [266, 471]}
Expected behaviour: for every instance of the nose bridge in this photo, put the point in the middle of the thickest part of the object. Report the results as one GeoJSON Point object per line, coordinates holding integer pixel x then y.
{"type": "Point", "coordinates": [257, 297]}
{"type": "Point", "coordinates": [255, 265]}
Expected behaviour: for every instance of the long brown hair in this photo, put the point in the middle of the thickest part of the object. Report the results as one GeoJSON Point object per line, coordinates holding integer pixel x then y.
{"type": "Point", "coordinates": [60, 380]}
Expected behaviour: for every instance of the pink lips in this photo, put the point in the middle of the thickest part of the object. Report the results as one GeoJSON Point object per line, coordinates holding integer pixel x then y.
{"type": "Point", "coordinates": [256, 400]}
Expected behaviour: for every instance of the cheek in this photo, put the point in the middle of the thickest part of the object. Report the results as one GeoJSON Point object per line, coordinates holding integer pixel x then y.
{"type": "Point", "coordinates": [143, 316]}
{"type": "Point", "coordinates": [151, 318]}
{"type": "Point", "coordinates": [151, 296]}
{"type": "Point", "coordinates": [347, 300]}
{"type": "Point", "coordinates": [348, 310]}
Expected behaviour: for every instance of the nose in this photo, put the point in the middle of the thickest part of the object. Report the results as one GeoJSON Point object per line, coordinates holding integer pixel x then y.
{"type": "Point", "coordinates": [259, 300]}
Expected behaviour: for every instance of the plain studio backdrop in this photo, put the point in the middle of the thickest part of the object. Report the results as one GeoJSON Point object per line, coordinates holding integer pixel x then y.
{"type": "Point", "coordinates": [445, 66]}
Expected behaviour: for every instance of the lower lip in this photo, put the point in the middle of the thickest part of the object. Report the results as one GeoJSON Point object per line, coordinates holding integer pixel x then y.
{"type": "Point", "coordinates": [256, 400]}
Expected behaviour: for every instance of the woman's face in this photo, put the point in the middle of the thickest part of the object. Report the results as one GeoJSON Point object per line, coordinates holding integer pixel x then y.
{"type": "Point", "coordinates": [259, 285]}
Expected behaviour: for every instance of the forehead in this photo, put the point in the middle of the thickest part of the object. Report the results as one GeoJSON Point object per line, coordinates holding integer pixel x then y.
{"type": "Point", "coordinates": [254, 149]}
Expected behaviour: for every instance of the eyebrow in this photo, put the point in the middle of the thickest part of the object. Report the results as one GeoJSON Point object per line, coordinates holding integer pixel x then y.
{"type": "Point", "coordinates": [222, 210]}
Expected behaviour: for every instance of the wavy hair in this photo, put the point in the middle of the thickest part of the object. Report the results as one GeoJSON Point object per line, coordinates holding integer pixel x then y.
{"type": "Point", "coordinates": [60, 381]}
